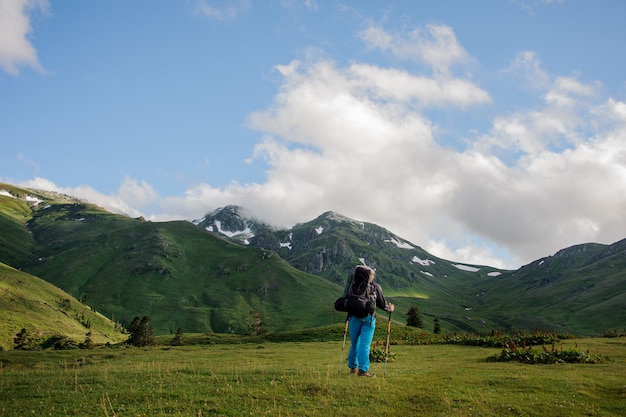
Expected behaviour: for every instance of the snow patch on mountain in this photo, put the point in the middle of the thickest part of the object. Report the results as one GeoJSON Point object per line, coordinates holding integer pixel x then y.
{"type": "Point", "coordinates": [29, 198]}
{"type": "Point", "coordinates": [494, 274]}
{"type": "Point", "coordinates": [287, 244]}
{"type": "Point", "coordinates": [466, 268]}
{"type": "Point", "coordinates": [198, 221]}
{"type": "Point", "coordinates": [401, 245]}
{"type": "Point", "coordinates": [245, 233]}
{"type": "Point", "coordinates": [319, 230]}
{"type": "Point", "coordinates": [33, 200]}
{"type": "Point", "coordinates": [424, 262]}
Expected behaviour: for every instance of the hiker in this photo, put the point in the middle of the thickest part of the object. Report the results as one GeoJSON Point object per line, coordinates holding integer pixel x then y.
{"type": "Point", "coordinates": [362, 328]}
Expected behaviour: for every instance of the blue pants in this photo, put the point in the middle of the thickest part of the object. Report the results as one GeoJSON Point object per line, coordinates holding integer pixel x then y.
{"type": "Point", "coordinates": [361, 335]}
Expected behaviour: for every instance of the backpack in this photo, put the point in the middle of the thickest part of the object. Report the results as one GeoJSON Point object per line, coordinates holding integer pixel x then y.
{"type": "Point", "coordinates": [360, 298]}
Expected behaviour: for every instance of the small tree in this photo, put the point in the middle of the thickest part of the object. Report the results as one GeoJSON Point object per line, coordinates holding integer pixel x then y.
{"type": "Point", "coordinates": [141, 332]}
{"type": "Point", "coordinates": [88, 343]}
{"type": "Point", "coordinates": [413, 318]}
{"type": "Point", "coordinates": [21, 341]}
{"type": "Point", "coordinates": [436, 326]}
{"type": "Point", "coordinates": [178, 337]}
{"type": "Point", "coordinates": [257, 325]}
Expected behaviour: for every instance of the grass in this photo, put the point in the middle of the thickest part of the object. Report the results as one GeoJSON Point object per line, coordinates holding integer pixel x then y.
{"type": "Point", "coordinates": [45, 311]}
{"type": "Point", "coordinates": [305, 379]}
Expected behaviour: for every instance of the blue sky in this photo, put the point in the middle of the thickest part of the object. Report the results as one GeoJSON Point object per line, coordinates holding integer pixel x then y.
{"type": "Point", "coordinates": [488, 132]}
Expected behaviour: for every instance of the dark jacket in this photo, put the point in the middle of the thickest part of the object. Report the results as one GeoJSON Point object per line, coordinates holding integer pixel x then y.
{"type": "Point", "coordinates": [380, 298]}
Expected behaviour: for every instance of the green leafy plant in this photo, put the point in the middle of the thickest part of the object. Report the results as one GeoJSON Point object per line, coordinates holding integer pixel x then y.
{"type": "Point", "coordinates": [529, 355]}
{"type": "Point", "coordinates": [378, 355]}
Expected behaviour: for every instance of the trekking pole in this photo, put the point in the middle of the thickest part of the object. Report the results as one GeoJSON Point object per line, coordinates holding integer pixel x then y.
{"type": "Point", "coordinates": [387, 346]}
{"type": "Point", "coordinates": [344, 345]}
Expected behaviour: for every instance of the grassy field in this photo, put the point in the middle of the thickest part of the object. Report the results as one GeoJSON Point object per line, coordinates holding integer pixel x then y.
{"type": "Point", "coordinates": [305, 379]}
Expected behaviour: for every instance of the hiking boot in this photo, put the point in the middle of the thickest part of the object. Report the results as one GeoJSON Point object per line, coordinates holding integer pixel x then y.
{"type": "Point", "coordinates": [353, 371]}
{"type": "Point", "coordinates": [366, 374]}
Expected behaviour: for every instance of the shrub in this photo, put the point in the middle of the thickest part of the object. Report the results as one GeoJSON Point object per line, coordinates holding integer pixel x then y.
{"type": "Point", "coordinates": [378, 355]}
{"type": "Point", "coordinates": [545, 356]}
{"type": "Point", "coordinates": [59, 342]}
{"type": "Point", "coordinates": [413, 318]}
{"type": "Point", "coordinates": [178, 337]}
{"type": "Point", "coordinates": [21, 341]}
{"type": "Point", "coordinates": [141, 332]}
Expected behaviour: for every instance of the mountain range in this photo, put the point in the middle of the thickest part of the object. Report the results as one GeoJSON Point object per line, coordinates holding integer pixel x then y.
{"type": "Point", "coordinates": [228, 272]}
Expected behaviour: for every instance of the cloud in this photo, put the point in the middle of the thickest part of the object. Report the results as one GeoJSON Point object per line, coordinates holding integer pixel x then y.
{"type": "Point", "coordinates": [434, 45]}
{"type": "Point", "coordinates": [359, 139]}
{"type": "Point", "coordinates": [526, 64]}
{"type": "Point", "coordinates": [131, 197]}
{"type": "Point", "coordinates": [15, 48]}
{"type": "Point", "coordinates": [34, 165]}
{"type": "Point", "coordinates": [308, 4]}
{"type": "Point", "coordinates": [226, 10]}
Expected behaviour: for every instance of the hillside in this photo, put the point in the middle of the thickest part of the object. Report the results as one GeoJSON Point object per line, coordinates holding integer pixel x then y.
{"type": "Point", "coordinates": [230, 273]}
{"type": "Point", "coordinates": [331, 245]}
{"type": "Point", "coordinates": [581, 289]}
{"type": "Point", "coordinates": [46, 311]}
{"type": "Point", "coordinates": [174, 272]}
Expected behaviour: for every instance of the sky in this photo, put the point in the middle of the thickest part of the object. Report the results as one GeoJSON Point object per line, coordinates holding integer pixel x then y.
{"type": "Point", "coordinates": [488, 132]}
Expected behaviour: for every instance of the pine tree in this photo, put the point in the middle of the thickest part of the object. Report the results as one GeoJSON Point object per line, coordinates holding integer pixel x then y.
{"type": "Point", "coordinates": [437, 326]}
{"type": "Point", "coordinates": [413, 318]}
{"type": "Point", "coordinates": [178, 337]}
{"type": "Point", "coordinates": [141, 332]}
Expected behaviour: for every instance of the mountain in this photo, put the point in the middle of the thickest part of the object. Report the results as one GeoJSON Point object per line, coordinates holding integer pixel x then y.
{"type": "Point", "coordinates": [579, 289]}
{"type": "Point", "coordinates": [174, 272]}
{"type": "Point", "coordinates": [331, 245]}
{"type": "Point", "coordinates": [228, 272]}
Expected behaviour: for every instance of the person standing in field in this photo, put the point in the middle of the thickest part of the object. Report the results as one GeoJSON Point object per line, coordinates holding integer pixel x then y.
{"type": "Point", "coordinates": [362, 326]}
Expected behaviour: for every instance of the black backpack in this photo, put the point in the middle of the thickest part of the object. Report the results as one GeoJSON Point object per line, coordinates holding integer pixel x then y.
{"type": "Point", "coordinates": [360, 298]}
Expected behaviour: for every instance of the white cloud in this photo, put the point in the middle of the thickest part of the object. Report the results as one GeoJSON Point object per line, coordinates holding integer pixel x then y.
{"type": "Point", "coordinates": [528, 66]}
{"type": "Point", "coordinates": [434, 45]}
{"type": "Point", "coordinates": [122, 202]}
{"type": "Point", "coordinates": [221, 10]}
{"type": "Point", "coordinates": [550, 196]}
{"type": "Point", "coordinates": [308, 4]}
{"type": "Point", "coordinates": [311, 4]}
{"type": "Point", "coordinates": [358, 139]}
{"type": "Point", "coordinates": [15, 47]}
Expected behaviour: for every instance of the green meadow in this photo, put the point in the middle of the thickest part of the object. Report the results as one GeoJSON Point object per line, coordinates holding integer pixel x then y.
{"type": "Point", "coordinates": [306, 379]}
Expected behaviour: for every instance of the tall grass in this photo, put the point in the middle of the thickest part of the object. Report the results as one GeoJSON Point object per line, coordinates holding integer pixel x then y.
{"type": "Point", "coordinates": [305, 379]}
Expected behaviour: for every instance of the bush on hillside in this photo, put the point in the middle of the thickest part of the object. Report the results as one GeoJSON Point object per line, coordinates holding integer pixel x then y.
{"type": "Point", "coordinates": [141, 332]}
{"type": "Point", "coordinates": [413, 318]}
{"type": "Point", "coordinates": [528, 355]}
{"type": "Point", "coordinates": [59, 342]}
{"type": "Point", "coordinates": [22, 340]}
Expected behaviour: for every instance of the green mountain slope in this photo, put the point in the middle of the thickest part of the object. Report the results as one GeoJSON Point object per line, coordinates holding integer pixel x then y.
{"type": "Point", "coordinates": [331, 245]}
{"type": "Point", "coordinates": [174, 272]}
{"type": "Point", "coordinates": [581, 289]}
{"type": "Point", "coordinates": [227, 271]}
{"type": "Point", "coordinates": [44, 310]}
{"type": "Point", "coordinates": [15, 211]}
